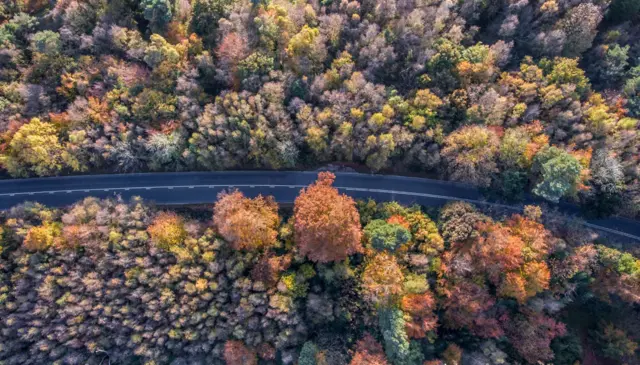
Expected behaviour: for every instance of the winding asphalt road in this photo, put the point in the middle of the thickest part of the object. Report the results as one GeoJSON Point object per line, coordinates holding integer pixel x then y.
{"type": "Point", "coordinates": [202, 187]}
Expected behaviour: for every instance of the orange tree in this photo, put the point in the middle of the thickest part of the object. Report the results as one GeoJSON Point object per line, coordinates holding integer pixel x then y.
{"type": "Point", "coordinates": [327, 223]}
{"type": "Point", "coordinates": [248, 224]}
{"type": "Point", "coordinates": [368, 352]}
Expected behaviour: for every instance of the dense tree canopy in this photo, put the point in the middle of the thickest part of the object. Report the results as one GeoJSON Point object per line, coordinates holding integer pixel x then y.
{"type": "Point", "coordinates": [514, 97]}
{"type": "Point", "coordinates": [115, 281]}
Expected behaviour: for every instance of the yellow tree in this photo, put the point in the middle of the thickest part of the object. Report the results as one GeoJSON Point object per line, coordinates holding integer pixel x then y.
{"type": "Point", "coordinates": [36, 150]}
{"type": "Point", "coordinates": [382, 279]}
{"type": "Point", "coordinates": [40, 238]}
{"type": "Point", "coordinates": [167, 230]}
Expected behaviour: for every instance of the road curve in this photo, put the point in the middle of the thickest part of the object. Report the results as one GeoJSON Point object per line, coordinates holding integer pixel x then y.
{"type": "Point", "coordinates": [202, 187]}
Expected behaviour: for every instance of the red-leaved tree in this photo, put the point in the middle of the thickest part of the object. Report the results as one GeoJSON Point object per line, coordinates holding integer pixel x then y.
{"type": "Point", "coordinates": [368, 352]}
{"type": "Point", "coordinates": [468, 305]}
{"type": "Point", "coordinates": [531, 334]}
{"type": "Point", "coordinates": [420, 308]}
{"type": "Point", "coordinates": [236, 353]}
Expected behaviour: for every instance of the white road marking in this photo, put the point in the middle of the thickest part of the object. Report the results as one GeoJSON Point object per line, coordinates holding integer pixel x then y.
{"type": "Point", "coordinates": [594, 226]}
{"type": "Point", "coordinates": [345, 188]}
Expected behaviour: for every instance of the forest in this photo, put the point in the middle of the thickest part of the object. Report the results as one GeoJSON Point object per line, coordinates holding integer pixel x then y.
{"type": "Point", "coordinates": [327, 281]}
{"type": "Point", "coordinates": [515, 97]}
{"type": "Point", "coordinates": [519, 98]}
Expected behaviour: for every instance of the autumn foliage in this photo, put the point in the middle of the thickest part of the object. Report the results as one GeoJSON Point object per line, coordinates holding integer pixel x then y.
{"type": "Point", "coordinates": [171, 287]}
{"type": "Point", "coordinates": [512, 255]}
{"type": "Point", "coordinates": [236, 353]}
{"type": "Point", "coordinates": [167, 230]}
{"type": "Point", "coordinates": [382, 279]}
{"type": "Point", "coordinates": [452, 354]}
{"type": "Point", "coordinates": [42, 237]}
{"type": "Point", "coordinates": [468, 305]}
{"type": "Point", "coordinates": [368, 352]}
{"type": "Point", "coordinates": [514, 97]}
{"type": "Point", "coordinates": [531, 335]}
{"type": "Point", "coordinates": [269, 267]}
{"type": "Point", "coordinates": [420, 307]}
{"type": "Point", "coordinates": [248, 224]}
{"type": "Point", "coordinates": [327, 223]}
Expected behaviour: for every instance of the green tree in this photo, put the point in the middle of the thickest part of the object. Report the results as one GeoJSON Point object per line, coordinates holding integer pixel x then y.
{"type": "Point", "coordinates": [386, 236]}
{"type": "Point", "coordinates": [308, 354]}
{"type": "Point", "coordinates": [567, 71]}
{"type": "Point", "coordinates": [614, 64]}
{"type": "Point", "coordinates": [306, 50]}
{"type": "Point", "coordinates": [257, 64]}
{"type": "Point", "coordinates": [157, 12]}
{"type": "Point", "coordinates": [17, 29]}
{"type": "Point", "coordinates": [396, 341]}
{"type": "Point", "coordinates": [380, 148]}
{"type": "Point", "coordinates": [46, 42]}
{"type": "Point", "coordinates": [512, 184]}
{"type": "Point", "coordinates": [159, 51]}
{"type": "Point", "coordinates": [623, 10]}
{"type": "Point", "coordinates": [567, 350]}
{"type": "Point", "coordinates": [631, 91]}
{"type": "Point", "coordinates": [205, 17]}
{"type": "Point", "coordinates": [441, 67]}
{"type": "Point", "coordinates": [614, 342]}
{"type": "Point", "coordinates": [560, 173]}
{"type": "Point", "coordinates": [152, 107]}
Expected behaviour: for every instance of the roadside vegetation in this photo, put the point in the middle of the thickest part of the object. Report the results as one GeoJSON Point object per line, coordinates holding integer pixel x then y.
{"type": "Point", "coordinates": [536, 97]}
{"type": "Point", "coordinates": [331, 281]}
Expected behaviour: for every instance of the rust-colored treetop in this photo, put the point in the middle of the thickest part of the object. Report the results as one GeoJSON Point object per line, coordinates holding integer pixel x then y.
{"type": "Point", "coordinates": [236, 353]}
{"type": "Point", "coordinates": [327, 223]}
{"type": "Point", "coordinates": [368, 352]}
{"type": "Point", "coordinates": [248, 224]}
